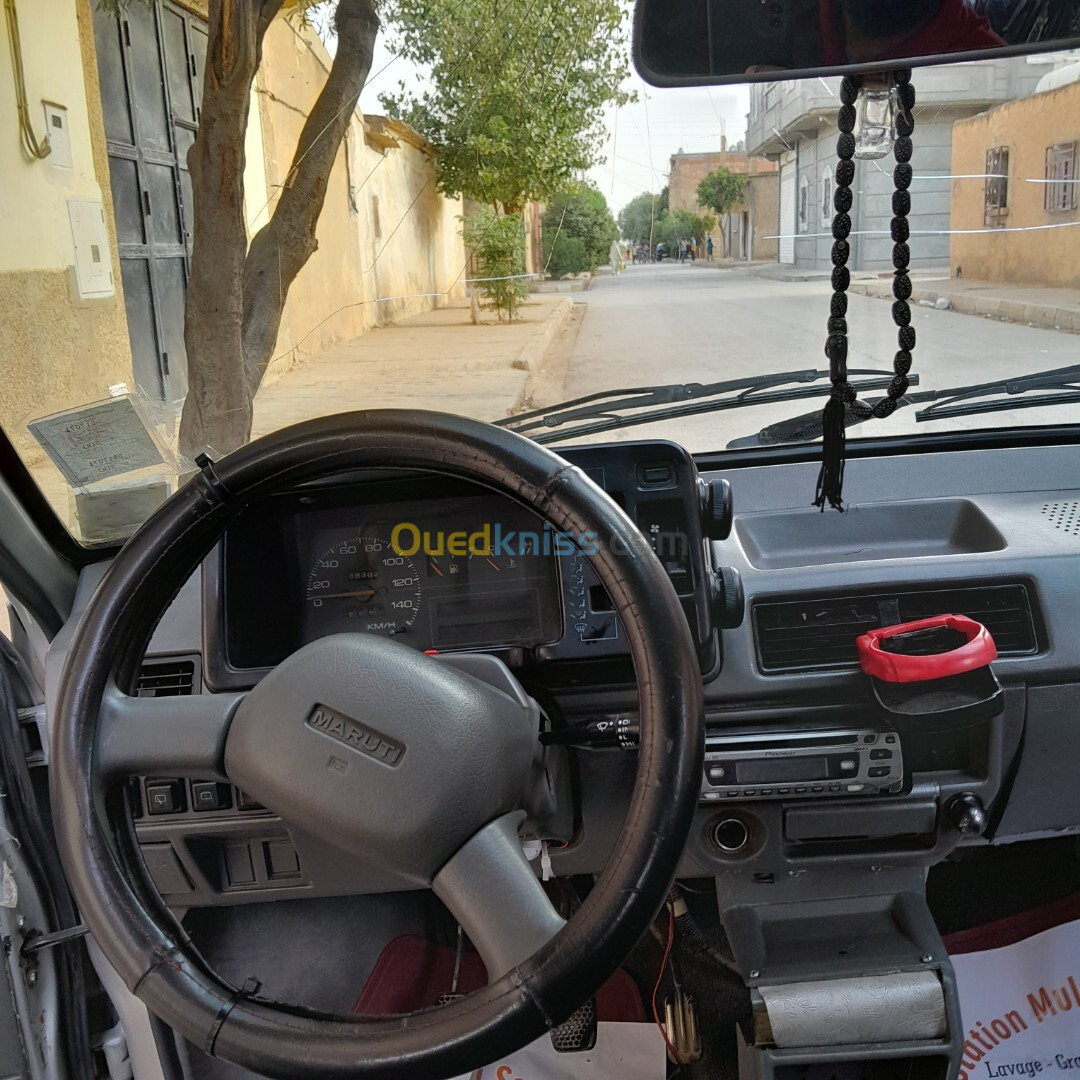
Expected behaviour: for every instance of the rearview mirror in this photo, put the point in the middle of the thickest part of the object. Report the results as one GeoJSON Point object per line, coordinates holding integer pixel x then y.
{"type": "Point", "coordinates": [701, 42]}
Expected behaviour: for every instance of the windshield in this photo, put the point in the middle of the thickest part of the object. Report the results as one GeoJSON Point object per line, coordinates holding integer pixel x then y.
{"type": "Point", "coordinates": [485, 211]}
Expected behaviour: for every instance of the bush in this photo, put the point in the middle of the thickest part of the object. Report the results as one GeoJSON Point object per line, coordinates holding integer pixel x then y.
{"type": "Point", "coordinates": [498, 242]}
{"type": "Point", "coordinates": [567, 256]}
{"type": "Point", "coordinates": [580, 213]}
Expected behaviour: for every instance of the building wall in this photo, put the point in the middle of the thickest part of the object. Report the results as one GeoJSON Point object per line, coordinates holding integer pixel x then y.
{"type": "Point", "coordinates": [387, 238]}
{"type": "Point", "coordinates": [1027, 127]}
{"type": "Point", "coordinates": [56, 350]}
{"type": "Point", "coordinates": [800, 116]}
{"type": "Point", "coordinates": [688, 170]}
{"type": "Point", "coordinates": [763, 197]}
{"type": "Point", "coordinates": [872, 209]}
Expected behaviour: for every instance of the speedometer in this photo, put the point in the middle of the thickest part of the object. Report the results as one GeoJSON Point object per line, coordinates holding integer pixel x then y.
{"type": "Point", "coordinates": [361, 583]}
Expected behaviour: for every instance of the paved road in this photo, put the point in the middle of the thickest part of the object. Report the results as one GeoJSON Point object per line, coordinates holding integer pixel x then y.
{"type": "Point", "coordinates": [683, 323]}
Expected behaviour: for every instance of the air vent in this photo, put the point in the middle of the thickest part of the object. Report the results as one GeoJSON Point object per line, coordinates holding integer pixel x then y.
{"type": "Point", "coordinates": [166, 678]}
{"type": "Point", "coordinates": [1063, 515]}
{"type": "Point", "coordinates": [819, 634]}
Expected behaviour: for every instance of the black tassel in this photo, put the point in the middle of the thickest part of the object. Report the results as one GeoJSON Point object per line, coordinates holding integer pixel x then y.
{"type": "Point", "coordinates": [830, 482]}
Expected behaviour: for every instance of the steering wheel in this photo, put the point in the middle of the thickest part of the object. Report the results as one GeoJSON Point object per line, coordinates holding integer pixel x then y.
{"type": "Point", "coordinates": [391, 755]}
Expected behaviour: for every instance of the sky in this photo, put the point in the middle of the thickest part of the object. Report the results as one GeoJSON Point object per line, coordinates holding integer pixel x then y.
{"type": "Point", "coordinates": [640, 137]}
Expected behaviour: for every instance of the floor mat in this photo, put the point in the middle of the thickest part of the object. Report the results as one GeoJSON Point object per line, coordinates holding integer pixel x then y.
{"type": "Point", "coordinates": [411, 973]}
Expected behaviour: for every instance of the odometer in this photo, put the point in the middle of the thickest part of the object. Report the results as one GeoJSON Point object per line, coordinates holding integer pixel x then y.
{"type": "Point", "coordinates": [362, 584]}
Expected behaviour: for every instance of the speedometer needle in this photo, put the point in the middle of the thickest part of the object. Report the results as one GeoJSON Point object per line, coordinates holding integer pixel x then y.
{"type": "Point", "coordinates": [336, 595]}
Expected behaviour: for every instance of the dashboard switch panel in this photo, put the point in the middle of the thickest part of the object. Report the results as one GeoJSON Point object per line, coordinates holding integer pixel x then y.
{"type": "Point", "coordinates": [165, 797]}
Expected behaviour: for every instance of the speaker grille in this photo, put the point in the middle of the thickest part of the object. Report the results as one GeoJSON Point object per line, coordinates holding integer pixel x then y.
{"type": "Point", "coordinates": [1063, 515]}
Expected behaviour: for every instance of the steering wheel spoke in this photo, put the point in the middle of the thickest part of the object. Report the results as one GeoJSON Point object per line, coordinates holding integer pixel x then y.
{"type": "Point", "coordinates": [174, 736]}
{"type": "Point", "coordinates": [491, 890]}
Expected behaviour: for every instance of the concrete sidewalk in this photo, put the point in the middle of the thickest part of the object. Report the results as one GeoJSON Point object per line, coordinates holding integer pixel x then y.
{"type": "Point", "coordinates": [438, 360]}
{"type": "Point", "coordinates": [1051, 309]}
{"type": "Point", "coordinates": [774, 271]}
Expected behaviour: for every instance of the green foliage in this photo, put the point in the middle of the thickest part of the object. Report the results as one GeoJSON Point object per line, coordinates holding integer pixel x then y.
{"type": "Point", "coordinates": [638, 217]}
{"type": "Point", "coordinates": [566, 255]}
{"type": "Point", "coordinates": [498, 241]}
{"type": "Point", "coordinates": [674, 225]}
{"type": "Point", "coordinates": [722, 190]}
{"type": "Point", "coordinates": [579, 214]}
{"type": "Point", "coordinates": [517, 89]}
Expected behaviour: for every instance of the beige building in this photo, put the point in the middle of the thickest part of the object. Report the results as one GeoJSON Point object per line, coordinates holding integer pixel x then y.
{"type": "Point", "coordinates": [65, 334]}
{"type": "Point", "coordinates": [748, 223]}
{"type": "Point", "coordinates": [390, 244]}
{"type": "Point", "coordinates": [1029, 147]}
{"type": "Point", "coordinates": [763, 209]}
{"type": "Point", "coordinates": [95, 236]}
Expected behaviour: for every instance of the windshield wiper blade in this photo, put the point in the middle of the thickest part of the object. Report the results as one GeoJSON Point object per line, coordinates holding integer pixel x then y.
{"type": "Point", "coordinates": [952, 402]}
{"type": "Point", "coordinates": [803, 428]}
{"type": "Point", "coordinates": [606, 411]}
{"type": "Point", "coordinates": [961, 400]}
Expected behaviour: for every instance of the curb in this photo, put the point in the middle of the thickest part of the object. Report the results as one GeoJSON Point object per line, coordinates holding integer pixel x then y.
{"type": "Point", "coordinates": [1046, 316]}
{"type": "Point", "coordinates": [531, 354]}
{"type": "Point", "coordinates": [567, 285]}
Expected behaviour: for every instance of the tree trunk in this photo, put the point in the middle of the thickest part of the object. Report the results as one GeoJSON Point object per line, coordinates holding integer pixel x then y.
{"type": "Point", "coordinates": [280, 249]}
{"type": "Point", "coordinates": [236, 294]}
{"type": "Point", "coordinates": [217, 412]}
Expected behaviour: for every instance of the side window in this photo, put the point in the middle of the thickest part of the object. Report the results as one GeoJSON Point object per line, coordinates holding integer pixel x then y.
{"type": "Point", "coordinates": [826, 195]}
{"type": "Point", "coordinates": [996, 190]}
{"type": "Point", "coordinates": [804, 202]}
{"type": "Point", "coordinates": [1061, 174]}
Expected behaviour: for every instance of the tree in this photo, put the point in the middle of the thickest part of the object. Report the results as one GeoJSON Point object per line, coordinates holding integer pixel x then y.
{"type": "Point", "coordinates": [500, 258]}
{"type": "Point", "coordinates": [578, 215]}
{"type": "Point", "coordinates": [673, 225]}
{"type": "Point", "coordinates": [236, 292]}
{"type": "Point", "coordinates": [638, 216]}
{"type": "Point", "coordinates": [517, 90]}
{"type": "Point", "coordinates": [566, 255]}
{"type": "Point", "coordinates": [721, 191]}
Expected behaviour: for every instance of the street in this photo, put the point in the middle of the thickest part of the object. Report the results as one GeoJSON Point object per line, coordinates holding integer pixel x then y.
{"type": "Point", "coordinates": [672, 323]}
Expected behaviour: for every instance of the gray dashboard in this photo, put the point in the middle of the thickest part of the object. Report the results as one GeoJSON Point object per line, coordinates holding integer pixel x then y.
{"type": "Point", "coordinates": [916, 522]}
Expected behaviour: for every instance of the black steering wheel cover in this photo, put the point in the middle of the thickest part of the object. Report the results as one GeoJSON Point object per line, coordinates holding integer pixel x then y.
{"type": "Point", "coordinates": [134, 928]}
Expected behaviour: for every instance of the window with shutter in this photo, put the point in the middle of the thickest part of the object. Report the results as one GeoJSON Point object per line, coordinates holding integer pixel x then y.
{"type": "Point", "coordinates": [1061, 177]}
{"type": "Point", "coordinates": [996, 185]}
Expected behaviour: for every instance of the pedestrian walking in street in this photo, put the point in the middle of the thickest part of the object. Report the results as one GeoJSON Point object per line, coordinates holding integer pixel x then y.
{"type": "Point", "coordinates": [708, 247]}
{"type": "Point", "coordinates": [682, 250]}
{"type": "Point", "coordinates": [615, 256]}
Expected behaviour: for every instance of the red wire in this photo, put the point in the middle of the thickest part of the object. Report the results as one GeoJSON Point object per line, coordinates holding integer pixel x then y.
{"type": "Point", "coordinates": [660, 978]}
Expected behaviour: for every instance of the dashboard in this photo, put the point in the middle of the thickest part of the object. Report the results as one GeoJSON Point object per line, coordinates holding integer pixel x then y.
{"type": "Point", "coordinates": [446, 566]}
{"type": "Point", "coordinates": [774, 594]}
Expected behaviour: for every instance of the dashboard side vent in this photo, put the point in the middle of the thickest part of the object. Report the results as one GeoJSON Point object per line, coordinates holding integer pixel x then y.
{"type": "Point", "coordinates": [1063, 515]}
{"type": "Point", "coordinates": [814, 635]}
{"type": "Point", "coordinates": [166, 678]}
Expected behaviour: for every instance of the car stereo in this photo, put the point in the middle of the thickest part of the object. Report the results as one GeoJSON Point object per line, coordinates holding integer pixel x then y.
{"type": "Point", "coordinates": [781, 763]}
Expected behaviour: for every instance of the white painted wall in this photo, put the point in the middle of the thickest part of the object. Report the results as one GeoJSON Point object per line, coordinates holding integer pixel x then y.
{"type": "Point", "coordinates": [34, 230]}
